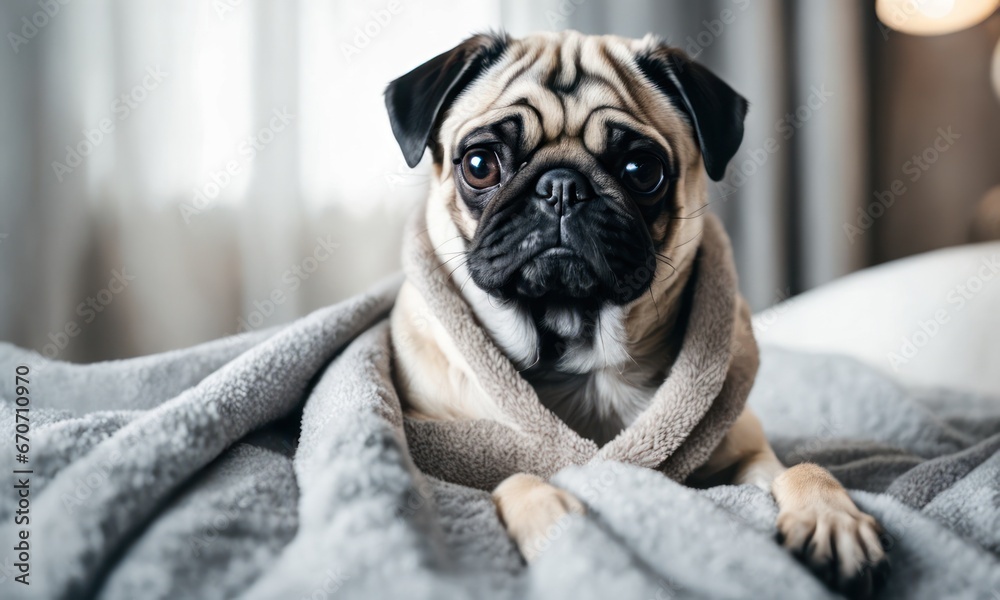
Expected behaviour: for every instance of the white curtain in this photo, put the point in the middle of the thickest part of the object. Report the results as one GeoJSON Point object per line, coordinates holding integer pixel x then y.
{"type": "Point", "coordinates": [235, 168]}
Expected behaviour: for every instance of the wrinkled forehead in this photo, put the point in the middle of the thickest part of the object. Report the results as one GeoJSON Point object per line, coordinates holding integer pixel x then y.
{"type": "Point", "coordinates": [559, 86]}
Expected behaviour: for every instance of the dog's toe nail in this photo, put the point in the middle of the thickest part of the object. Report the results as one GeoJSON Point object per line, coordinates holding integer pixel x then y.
{"type": "Point", "coordinates": [880, 573]}
{"type": "Point", "coordinates": [868, 580]}
{"type": "Point", "coordinates": [859, 586]}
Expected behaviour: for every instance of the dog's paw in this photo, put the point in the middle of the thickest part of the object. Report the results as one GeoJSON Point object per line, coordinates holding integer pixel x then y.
{"type": "Point", "coordinates": [533, 511]}
{"type": "Point", "coordinates": [841, 544]}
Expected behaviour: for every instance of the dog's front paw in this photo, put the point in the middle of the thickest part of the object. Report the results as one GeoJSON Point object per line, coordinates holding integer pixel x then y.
{"type": "Point", "coordinates": [532, 511]}
{"type": "Point", "coordinates": [839, 543]}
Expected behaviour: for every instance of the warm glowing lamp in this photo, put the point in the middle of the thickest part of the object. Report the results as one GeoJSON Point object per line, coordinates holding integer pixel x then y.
{"type": "Point", "coordinates": [933, 17]}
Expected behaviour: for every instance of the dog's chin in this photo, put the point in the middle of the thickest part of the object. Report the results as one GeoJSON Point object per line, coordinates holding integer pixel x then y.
{"type": "Point", "coordinates": [555, 276]}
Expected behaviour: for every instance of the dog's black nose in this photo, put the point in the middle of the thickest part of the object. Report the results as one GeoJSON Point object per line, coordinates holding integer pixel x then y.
{"type": "Point", "coordinates": [561, 188]}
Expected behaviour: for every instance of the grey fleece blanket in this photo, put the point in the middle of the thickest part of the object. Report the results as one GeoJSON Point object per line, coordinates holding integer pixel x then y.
{"type": "Point", "coordinates": [254, 467]}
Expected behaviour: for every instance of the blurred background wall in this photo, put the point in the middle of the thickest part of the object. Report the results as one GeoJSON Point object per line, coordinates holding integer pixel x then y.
{"type": "Point", "coordinates": [175, 171]}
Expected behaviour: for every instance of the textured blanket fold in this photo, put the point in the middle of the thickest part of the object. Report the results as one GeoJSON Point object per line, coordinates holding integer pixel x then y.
{"type": "Point", "coordinates": [702, 396]}
{"type": "Point", "coordinates": [278, 464]}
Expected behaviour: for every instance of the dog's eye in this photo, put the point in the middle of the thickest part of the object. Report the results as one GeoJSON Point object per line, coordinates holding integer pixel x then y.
{"type": "Point", "coordinates": [643, 173]}
{"type": "Point", "coordinates": [481, 168]}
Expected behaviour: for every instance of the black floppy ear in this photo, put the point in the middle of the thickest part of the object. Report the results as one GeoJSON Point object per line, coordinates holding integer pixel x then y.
{"type": "Point", "coordinates": [715, 109]}
{"type": "Point", "coordinates": [415, 100]}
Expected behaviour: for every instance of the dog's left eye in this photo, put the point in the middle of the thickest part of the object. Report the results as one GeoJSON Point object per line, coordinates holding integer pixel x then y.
{"type": "Point", "coordinates": [642, 173]}
{"type": "Point", "coordinates": [481, 168]}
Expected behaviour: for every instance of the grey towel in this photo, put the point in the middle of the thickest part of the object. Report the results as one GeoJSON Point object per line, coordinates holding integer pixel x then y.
{"type": "Point", "coordinates": [687, 417]}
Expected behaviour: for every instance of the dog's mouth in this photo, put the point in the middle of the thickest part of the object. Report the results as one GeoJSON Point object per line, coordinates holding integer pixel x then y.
{"type": "Point", "coordinates": [594, 258]}
{"type": "Point", "coordinates": [557, 272]}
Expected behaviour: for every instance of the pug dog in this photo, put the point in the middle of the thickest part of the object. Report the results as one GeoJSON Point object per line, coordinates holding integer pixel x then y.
{"type": "Point", "coordinates": [561, 161]}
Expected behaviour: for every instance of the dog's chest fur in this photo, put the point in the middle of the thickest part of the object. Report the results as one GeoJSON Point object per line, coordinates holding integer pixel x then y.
{"type": "Point", "coordinates": [585, 366]}
{"type": "Point", "coordinates": [598, 383]}
{"type": "Point", "coordinates": [597, 404]}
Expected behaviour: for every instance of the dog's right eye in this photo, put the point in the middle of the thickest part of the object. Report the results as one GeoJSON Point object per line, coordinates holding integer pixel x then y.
{"type": "Point", "coordinates": [481, 168]}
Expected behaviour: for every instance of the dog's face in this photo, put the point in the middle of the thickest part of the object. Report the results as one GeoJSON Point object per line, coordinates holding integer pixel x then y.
{"type": "Point", "coordinates": [570, 164]}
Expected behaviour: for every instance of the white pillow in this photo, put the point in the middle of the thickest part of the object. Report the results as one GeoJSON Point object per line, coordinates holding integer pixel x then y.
{"type": "Point", "coordinates": [931, 319]}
